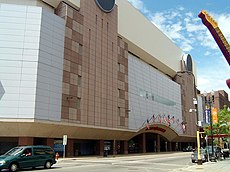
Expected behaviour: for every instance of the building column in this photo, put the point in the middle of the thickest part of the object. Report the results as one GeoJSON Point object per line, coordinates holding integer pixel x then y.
{"type": "Point", "coordinates": [101, 147]}
{"type": "Point", "coordinates": [69, 148]}
{"type": "Point", "coordinates": [166, 146]}
{"type": "Point", "coordinates": [25, 141]}
{"type": "Point", "coordinates": [176, 146]}
{"type": "Point", "coordinates": [179, 146]}
{"type": "Point", "coordinates": [155, 145]}
{"type": "Point", "coordinates": [158, 143]}
{"type": "Point", "coordinates": [143, 143]}
{"type": "Point", "coordinates": [126, 147]}
{"type": "Point", "coordinates": [114, 147]}
{"type": "Point", "coordinates": [50, 142]}
{"type": "Point", "coordinates": [170, 146]}
{"type": "Point", "coordinates": [173, 146]}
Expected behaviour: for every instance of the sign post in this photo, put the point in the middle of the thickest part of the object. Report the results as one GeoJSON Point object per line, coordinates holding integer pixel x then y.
{"type": "Point", "coordinates": [64, 144]}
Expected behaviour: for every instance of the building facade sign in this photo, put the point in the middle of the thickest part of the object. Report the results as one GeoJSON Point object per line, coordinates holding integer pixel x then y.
{"type": "Point", "coordinates": [105, 5]}
{"type": "Point", "coordinates": [157, 129]}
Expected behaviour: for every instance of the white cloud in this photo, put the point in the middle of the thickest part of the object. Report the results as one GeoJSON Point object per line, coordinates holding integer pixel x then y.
{"type": "Point", "coordinates": [214, 77]}
{"type": "Point", "coordinates": [138, 4]}
{"type": "Point", "coordinates": [210, 83]}
{"type": "Point", "coordinates": [186, 30]}
{"type": "Point", "coordinates": [158, 19]}
{"type": "Point", "coordinates": [203, 81]}
{"type": "Point", "coordinates": [223, 21]}
{"type": "Point", "coordinates": [207, 53]}
{"type": "Point", "coordinates": [186, 45]}
{"type": "Point", "coordinates": [179, 29]}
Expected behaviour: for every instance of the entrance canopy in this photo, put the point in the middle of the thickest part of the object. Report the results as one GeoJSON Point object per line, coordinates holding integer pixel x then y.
{"type": "Point", "coordinates": [161, 129]}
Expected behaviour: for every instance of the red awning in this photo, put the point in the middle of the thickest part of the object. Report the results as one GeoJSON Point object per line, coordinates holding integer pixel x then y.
{"type": "Point", "coordinates": [219, 135]}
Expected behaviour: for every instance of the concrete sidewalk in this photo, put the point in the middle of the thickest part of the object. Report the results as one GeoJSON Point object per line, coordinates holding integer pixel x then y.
{"type": "Point", "coordinates": [121, 156]}
{"type": "Point", "coordinates": [219, 166]}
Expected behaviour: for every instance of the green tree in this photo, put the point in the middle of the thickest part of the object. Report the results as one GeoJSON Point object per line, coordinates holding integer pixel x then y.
{"type": "Point", "coordinates": [224, 120]}
{"type": "Point", "coordinates": [222, 127]}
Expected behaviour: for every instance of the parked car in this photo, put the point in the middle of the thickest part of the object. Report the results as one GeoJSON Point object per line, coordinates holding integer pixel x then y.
{"type": "Point", "coordinates": [27, 157]}
{"type": "Point", "coordinates": [225, 152]}
{"type": "Point", "coordinates": [204, 155]}
{"type": "Point", "coordinates": [217, 151]}
{"type": "Point", "coordinates": [188, 149]}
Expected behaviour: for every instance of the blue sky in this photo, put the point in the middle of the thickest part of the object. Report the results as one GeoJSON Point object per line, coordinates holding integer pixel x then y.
{"type": "Point", "coordinates": [179, 20]}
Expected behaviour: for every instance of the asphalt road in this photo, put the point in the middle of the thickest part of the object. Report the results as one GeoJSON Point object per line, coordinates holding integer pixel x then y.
{"type": "Point", "coordinates": [136, 163]}
{"type": "Point", "coordinates": [170, 162]}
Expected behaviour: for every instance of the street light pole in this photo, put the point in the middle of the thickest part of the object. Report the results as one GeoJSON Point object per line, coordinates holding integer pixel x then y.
{"type": "Point", "coordinates": [212, 157]}
{"type": "Point", "coordinates": [209, 102]}
{"type": "Point", "coordinates": [199, 159]}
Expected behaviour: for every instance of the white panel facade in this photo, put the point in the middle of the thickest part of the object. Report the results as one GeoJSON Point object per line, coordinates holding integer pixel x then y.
{"type": "Point", "coordinates": [200, 109]}
{"type": "Point", "coordinates": [20, 51]}
{"type": "Point", "coordinates": [153, 41]}
{"type": "Point", "coordinates": [18, 59]}
{"type": "Point", "coordinates": [50, 67]}
{"type": "Point", "coordinates": [152, 95]}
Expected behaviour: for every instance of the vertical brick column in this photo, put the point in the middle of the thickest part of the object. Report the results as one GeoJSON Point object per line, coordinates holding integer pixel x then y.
{"type": "Point", "coordinates": [173, 146]}
{"type": "Point", "coordinates": [101, 147]}
{"type": "Point", "coordinates": [170, 146]}
{"type": "Point", "coordinates": [142, 143]}
{"type": "Point", "coordinates": [179, 146]}
{"type": "Point", "coordinates": [125, 147]}
{"type": "Point", "coordinates": [72, 69]}
{"type": "Point", "coordinates": [158, 143]}
{"type": "Point", "coordinates": [50, 142]}
{"type": "Point", "coordinates": [69, 148]}
{"type": "Point", "coordinates": [155, 145]}
{"type": "Point", "coordinates": [24, 141]}
{"type": "Point", "coordinates": [114, 147]}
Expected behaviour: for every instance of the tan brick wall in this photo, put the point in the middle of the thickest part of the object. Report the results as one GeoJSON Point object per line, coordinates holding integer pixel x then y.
{"type": "Point", "coordinates": [186, 80]}
{"type": "Point", "coordinates": [123, 82]}
{"type": "Point", "coordinates": [72, 73]}
{"type": "Point", "coordinates": [93, 52]}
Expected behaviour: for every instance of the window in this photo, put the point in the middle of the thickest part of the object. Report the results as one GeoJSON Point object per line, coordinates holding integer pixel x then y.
{"type": "Point", "coordinates": [27, 152]}
{"type": "Point", "coordinates": [119, 92]}
{"type": "Point", "coordinates": [119, 111]}
{"type": "Point", "coordinates": [122, 121]}
{"type": "Point", "coordinates": [147, 95]}
{"type": "Point", "coordinates": [78, 103]}
{"type": "Point", "coordinates": [43, 151]}
{"type": "Point", "coordinates": [142, 93]}
{"type": "Point", "coordinates": [80, 49]}
{"type": "Point", "coordinates": [79, 80]}
{"type": "Point", "coordinates": [152, 97]}
{"type": "Point", "coordinates": [119, 66]}
{"type": "Point", "coordinates": [39, 151]}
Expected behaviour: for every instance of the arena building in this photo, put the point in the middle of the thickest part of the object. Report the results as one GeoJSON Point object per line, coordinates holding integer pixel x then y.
{"type": "Point", "coordinates": [96, 71]}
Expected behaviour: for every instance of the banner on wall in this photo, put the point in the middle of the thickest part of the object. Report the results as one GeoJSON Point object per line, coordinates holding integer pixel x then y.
{"type": "Point", "coordinates": [214, 116]}
{"type": "Point", "coordinates": [207, 116]}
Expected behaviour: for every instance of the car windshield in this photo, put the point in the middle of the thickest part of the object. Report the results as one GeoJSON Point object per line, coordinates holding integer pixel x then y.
{"type": "Point", "coordinates": [209, 148]}
{"type": "Point", "coordinates": [13, 151]}
{"type": "Point", "coordinates": [201, 151]}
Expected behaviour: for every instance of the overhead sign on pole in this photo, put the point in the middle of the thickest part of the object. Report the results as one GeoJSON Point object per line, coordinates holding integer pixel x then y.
{"type": "Point", "coordinates": [64, 139]}
{"type": "Point", "coordinates": [214, 116]}
{"type": "Point", "coordinates": [207, 116]}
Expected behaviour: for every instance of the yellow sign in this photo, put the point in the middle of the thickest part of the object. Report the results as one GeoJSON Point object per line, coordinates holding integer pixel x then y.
{"type": "Point", "coordinates": [214, 116]}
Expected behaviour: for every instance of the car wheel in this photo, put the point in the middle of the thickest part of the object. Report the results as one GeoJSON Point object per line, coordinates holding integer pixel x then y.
{"type": "Point", "coordinates": [193, 161]}
{"type": "Point", "coordinates": [13, 167]}
{"type": "Point", "coordinates": [48, 164]}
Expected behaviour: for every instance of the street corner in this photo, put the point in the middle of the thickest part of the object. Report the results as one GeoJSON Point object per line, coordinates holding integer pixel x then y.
{"type": "Point", "coordinates": [65, 160]}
